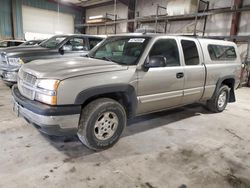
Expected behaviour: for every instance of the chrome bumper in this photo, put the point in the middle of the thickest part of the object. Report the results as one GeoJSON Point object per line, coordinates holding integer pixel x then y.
{"type": "Point", "coordinates": [8, 76]}
{"type": "Point", "coordinates": [58, 125]}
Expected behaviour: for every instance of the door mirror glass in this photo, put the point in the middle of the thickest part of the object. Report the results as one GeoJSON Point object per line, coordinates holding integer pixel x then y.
{"type": "Point", "coordinates": [156, 61]}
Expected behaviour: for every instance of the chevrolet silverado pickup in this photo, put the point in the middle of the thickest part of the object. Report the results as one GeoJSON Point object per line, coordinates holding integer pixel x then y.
{"type": "Point", "coordinates": [123, 77]}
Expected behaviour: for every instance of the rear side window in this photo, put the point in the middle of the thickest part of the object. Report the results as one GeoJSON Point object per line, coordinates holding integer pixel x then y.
{"type": "Point", "coordinates": [190, 51]}
{"type": "Point", "coordinates": [93, 42]}
{"type": "Point", "coordinates": [18, 43]}
{"type": "Point", "coordinates": [167, 48]}
{"type": "Point", "coordinates": [220, 52]}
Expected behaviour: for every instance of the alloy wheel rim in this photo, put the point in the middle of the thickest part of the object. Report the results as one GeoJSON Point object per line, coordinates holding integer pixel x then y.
{"type": "Point", "coordinates": [106, 125]}
{"type": "Point", "coordinates": [222, 99]}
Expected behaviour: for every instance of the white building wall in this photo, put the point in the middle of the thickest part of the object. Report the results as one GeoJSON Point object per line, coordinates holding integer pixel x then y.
{"type": "Point", "coordinates": [217, 25]}
{"type": "Point", "coordinates": [244, 28]}
{"type": "Point", "coordinates": [246, 2]}
{"type": "Point", "coordinates": [121, 11]}
{"type": "Point", "coordinates": [174, 7]}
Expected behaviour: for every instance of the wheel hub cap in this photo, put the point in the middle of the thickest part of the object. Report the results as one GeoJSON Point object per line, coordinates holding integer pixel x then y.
{"type": "Point", "coordinates": [106, 125]}
{"type": "Point", "coordinates": [222, 99]}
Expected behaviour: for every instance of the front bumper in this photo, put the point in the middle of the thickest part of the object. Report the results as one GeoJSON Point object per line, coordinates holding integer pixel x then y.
{"type": "Point", "coordinates": [8, 76]}
{"type": "Point", "coordinates": [52, 120]}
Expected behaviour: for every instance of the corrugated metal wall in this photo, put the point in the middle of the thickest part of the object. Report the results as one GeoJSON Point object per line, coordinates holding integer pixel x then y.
{"type": "Point", "coordinates": [6, 31]}
{"type": "Point", "coordinates": [17, 16]}
{"type": "Point", "coordinates": [5, 19]}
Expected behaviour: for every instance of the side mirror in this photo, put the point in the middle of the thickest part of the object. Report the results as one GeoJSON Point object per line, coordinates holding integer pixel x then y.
{"type": "Point", "coordinates": [155, 61]}
{"type": "Point", "coordinates": [65, 48]}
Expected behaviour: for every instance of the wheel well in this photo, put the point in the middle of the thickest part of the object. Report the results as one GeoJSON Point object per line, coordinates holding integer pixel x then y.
{"type": "Point", "coordinates": [230, 83]}
{"type": "Point", "coordinates": [122, 97]}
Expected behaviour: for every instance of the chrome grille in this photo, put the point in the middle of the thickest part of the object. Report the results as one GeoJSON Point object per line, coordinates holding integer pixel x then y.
{"type": "Point", "coordinates": [26, 84]}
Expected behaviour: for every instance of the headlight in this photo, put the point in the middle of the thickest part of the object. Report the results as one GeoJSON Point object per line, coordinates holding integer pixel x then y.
{"type": "Point", "coordinates": [3, 57]}
{"type": "Point", "coordinates": [17, 62]}
{"type": "Point", "coordinates": [48, 84]}
{"type": "Point", "coordinates": [46, 91]}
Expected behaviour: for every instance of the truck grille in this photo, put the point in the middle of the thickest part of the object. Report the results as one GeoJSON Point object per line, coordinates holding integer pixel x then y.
{"type": "Point", "coordinates": [26, 84]}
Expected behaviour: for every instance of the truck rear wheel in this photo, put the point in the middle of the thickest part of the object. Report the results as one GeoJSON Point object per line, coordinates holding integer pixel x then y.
{"type": "Point", "coordinates": [101, 124]}
{"type": "Point", "coordinates": [219, 102]}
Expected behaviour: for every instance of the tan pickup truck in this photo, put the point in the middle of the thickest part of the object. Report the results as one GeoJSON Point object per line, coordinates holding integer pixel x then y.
{"type": "Point", "coordinates": [123, 77]}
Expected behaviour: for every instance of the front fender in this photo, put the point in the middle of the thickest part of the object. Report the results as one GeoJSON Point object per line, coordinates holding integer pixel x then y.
{"type": "Point", "coordinates": [127, 90]}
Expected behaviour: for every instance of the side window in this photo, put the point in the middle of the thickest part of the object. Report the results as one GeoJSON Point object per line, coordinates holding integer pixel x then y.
{"type": "Point", "coordinates": [93, 42]}
{"type": "Point", "coordinates": [11, 43]}
{"type": "Point", "coordinates": [219, 52]}
{"type": "Point", "coordinates": [190, 52]}
{"type": "Point", "coordinates": [167, 48]}
{"type": "Point", "coordinates": [18, 43]}
{"type": "Point", "coordinates": [76, 44]}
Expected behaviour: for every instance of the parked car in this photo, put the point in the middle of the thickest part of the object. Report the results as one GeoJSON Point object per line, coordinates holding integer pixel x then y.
{"type": "Point", "coordinates": [10, 43]}
{"type": "Point", "coordinates": [125, 76]}
{"type": "Point", "coordinates": [55, 47]}
{"type": "Point", "coordinates": [32, 42]}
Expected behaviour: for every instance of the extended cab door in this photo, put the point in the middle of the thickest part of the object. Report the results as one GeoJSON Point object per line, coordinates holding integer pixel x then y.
{"type": "Point", "coordinates": [194, 70]}
{"type": "Point", "coordinates": [161, 87]}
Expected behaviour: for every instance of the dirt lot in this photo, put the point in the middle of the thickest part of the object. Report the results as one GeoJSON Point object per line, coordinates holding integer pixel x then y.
{"type": "Point", "coordinates": [186, 147]}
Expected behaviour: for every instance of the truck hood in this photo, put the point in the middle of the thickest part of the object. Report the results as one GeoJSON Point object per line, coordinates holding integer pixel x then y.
{"type": "Point", "coordinates": [23, 50]}
{"type": "Point", "coordinates": [68, 67]}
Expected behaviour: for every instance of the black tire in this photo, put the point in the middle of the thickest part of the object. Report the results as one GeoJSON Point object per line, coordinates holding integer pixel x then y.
{"type": "Point", "coordinates": [9, 84]}
{"type": "Point", "coordinates": [92, 113]}
{"type": "Point", "coordinates": [213, 104]}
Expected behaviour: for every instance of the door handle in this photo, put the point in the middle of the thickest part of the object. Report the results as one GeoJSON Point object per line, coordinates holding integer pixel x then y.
{"type": "Point", "coordinates": [179, 75]}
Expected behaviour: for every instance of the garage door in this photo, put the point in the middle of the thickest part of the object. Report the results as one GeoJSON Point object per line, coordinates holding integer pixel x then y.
{"type": "Point", "coordinates": [46, 22]}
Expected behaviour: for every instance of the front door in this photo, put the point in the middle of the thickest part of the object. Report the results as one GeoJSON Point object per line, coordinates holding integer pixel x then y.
{"type": "Point", "coordinates": [161, 87]}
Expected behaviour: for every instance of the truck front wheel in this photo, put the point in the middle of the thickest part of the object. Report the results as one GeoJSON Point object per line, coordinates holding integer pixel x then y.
{"type": "Point", "coordinates": [101, 124]}
{"type": "Point", "coordinates": [220, 100]}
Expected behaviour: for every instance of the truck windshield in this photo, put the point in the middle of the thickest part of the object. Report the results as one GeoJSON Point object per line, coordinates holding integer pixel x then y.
{"type": "Point", "coordinates": [53, 42]}
{"type": "Point", "coordinates": [122, 50]}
